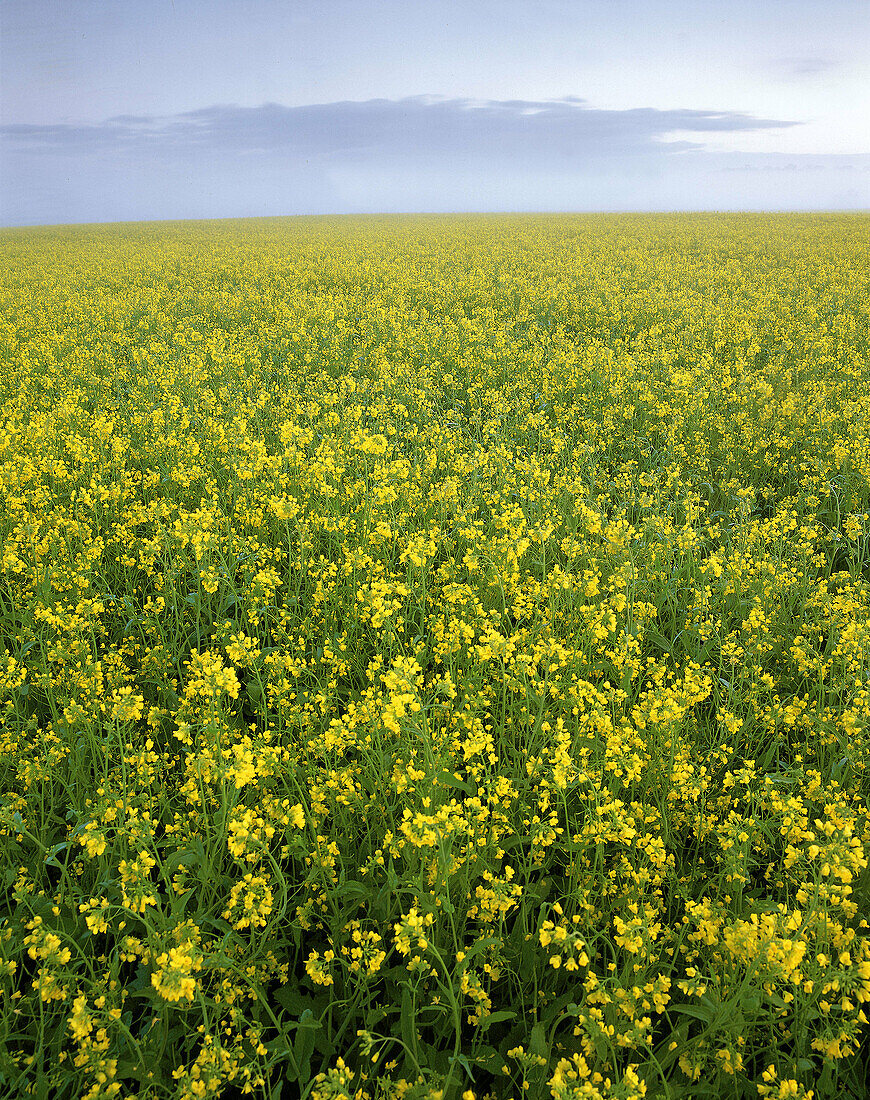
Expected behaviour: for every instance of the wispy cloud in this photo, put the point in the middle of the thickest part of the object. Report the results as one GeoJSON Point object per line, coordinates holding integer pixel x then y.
{"type": "Point", "coordinates": [804, 68]}
{"type": "Point", "coordinates": [520, 131]}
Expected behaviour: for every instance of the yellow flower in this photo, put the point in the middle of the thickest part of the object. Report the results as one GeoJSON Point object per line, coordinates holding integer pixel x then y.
{"type": "Point", "coordinates": [127, 707]}
{"type": "Point", "coordinates": [174, 977]}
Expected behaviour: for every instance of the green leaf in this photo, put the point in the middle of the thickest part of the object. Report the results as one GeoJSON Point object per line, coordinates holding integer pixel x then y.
{"type": "Point", "coordinates": [220, 924]}
{"type": "Point", "coordinates": [561, 1004]}
{"type": "Point", "coordinates": [496, 1018]}
{"type": "Point", "coordinates": [699, 1012]}
{"type": "Point", "coordinates": [448, 779]}
{"type": "Point", "coordinates": [290, 998]}
{"type": "Point", "coordinates": [538, 1041]}
{"type": "Point", "coordinates": [51, 856]}
{"type": "Point", "coordinates": [184, 857]}
{"type": "Point", "coordinates": [138, 1071]}
{"type": "Point", "coordinates": [352, 889]}
{"type": "Point", "coordinates": [658, 640]}
{"type": "Point", "coordinates": [409, 1021]}
{"type": "Point", "coordinates": [480, 945]}
{"type": "Point", "coordinates": [539, 1046]}
{"type": "Point", "coordinates": [488, 1058]}
{"type": "Point", "coordinates": [170, 699]}
{"type": "Point", "coordinates": [303, 1048]}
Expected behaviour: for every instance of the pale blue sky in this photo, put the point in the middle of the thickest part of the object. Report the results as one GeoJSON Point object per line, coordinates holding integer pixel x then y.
{"type": "Point", "coordinates": [129, 109]}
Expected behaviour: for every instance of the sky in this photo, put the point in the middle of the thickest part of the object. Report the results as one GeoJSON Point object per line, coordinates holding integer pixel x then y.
{"type": "Point", "coordinates": [116, 110]}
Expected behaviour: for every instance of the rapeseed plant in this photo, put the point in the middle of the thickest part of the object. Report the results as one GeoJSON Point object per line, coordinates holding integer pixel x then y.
{"type": "Point", "coordinates": [435, 658]}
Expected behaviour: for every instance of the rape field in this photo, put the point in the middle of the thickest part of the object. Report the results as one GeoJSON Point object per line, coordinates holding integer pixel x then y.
{"type": "Point", "coordinates": [436, 658]}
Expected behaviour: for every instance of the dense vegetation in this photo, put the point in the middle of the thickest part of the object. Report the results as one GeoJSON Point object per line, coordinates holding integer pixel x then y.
{"type": "Point", "coordinates": [434, 657]}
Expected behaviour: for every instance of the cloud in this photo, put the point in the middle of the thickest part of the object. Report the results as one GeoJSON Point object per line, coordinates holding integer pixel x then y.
{"type": "Point", "coordinates": [803, 68]}
{"type": "Point", "coordinates": [418, 128]}
{"type": "Point", "coordinates": [424, 153]}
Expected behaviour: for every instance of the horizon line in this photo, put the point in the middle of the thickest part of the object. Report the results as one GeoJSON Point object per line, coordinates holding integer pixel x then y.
{"type": "Point", "coordinates": [792, 211]}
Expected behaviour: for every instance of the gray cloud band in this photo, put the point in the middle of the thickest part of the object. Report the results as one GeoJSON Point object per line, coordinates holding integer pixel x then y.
{"type": "Point", "coordinates": [554, 132]}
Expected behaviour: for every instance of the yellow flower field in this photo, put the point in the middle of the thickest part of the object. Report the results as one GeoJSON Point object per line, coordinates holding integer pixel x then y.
{"type": "Point", "coordinates": [436, 658]}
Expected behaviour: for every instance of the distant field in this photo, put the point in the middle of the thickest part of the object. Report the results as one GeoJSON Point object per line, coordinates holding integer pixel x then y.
{"type": "Point", "coordinates": [435, 658]}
